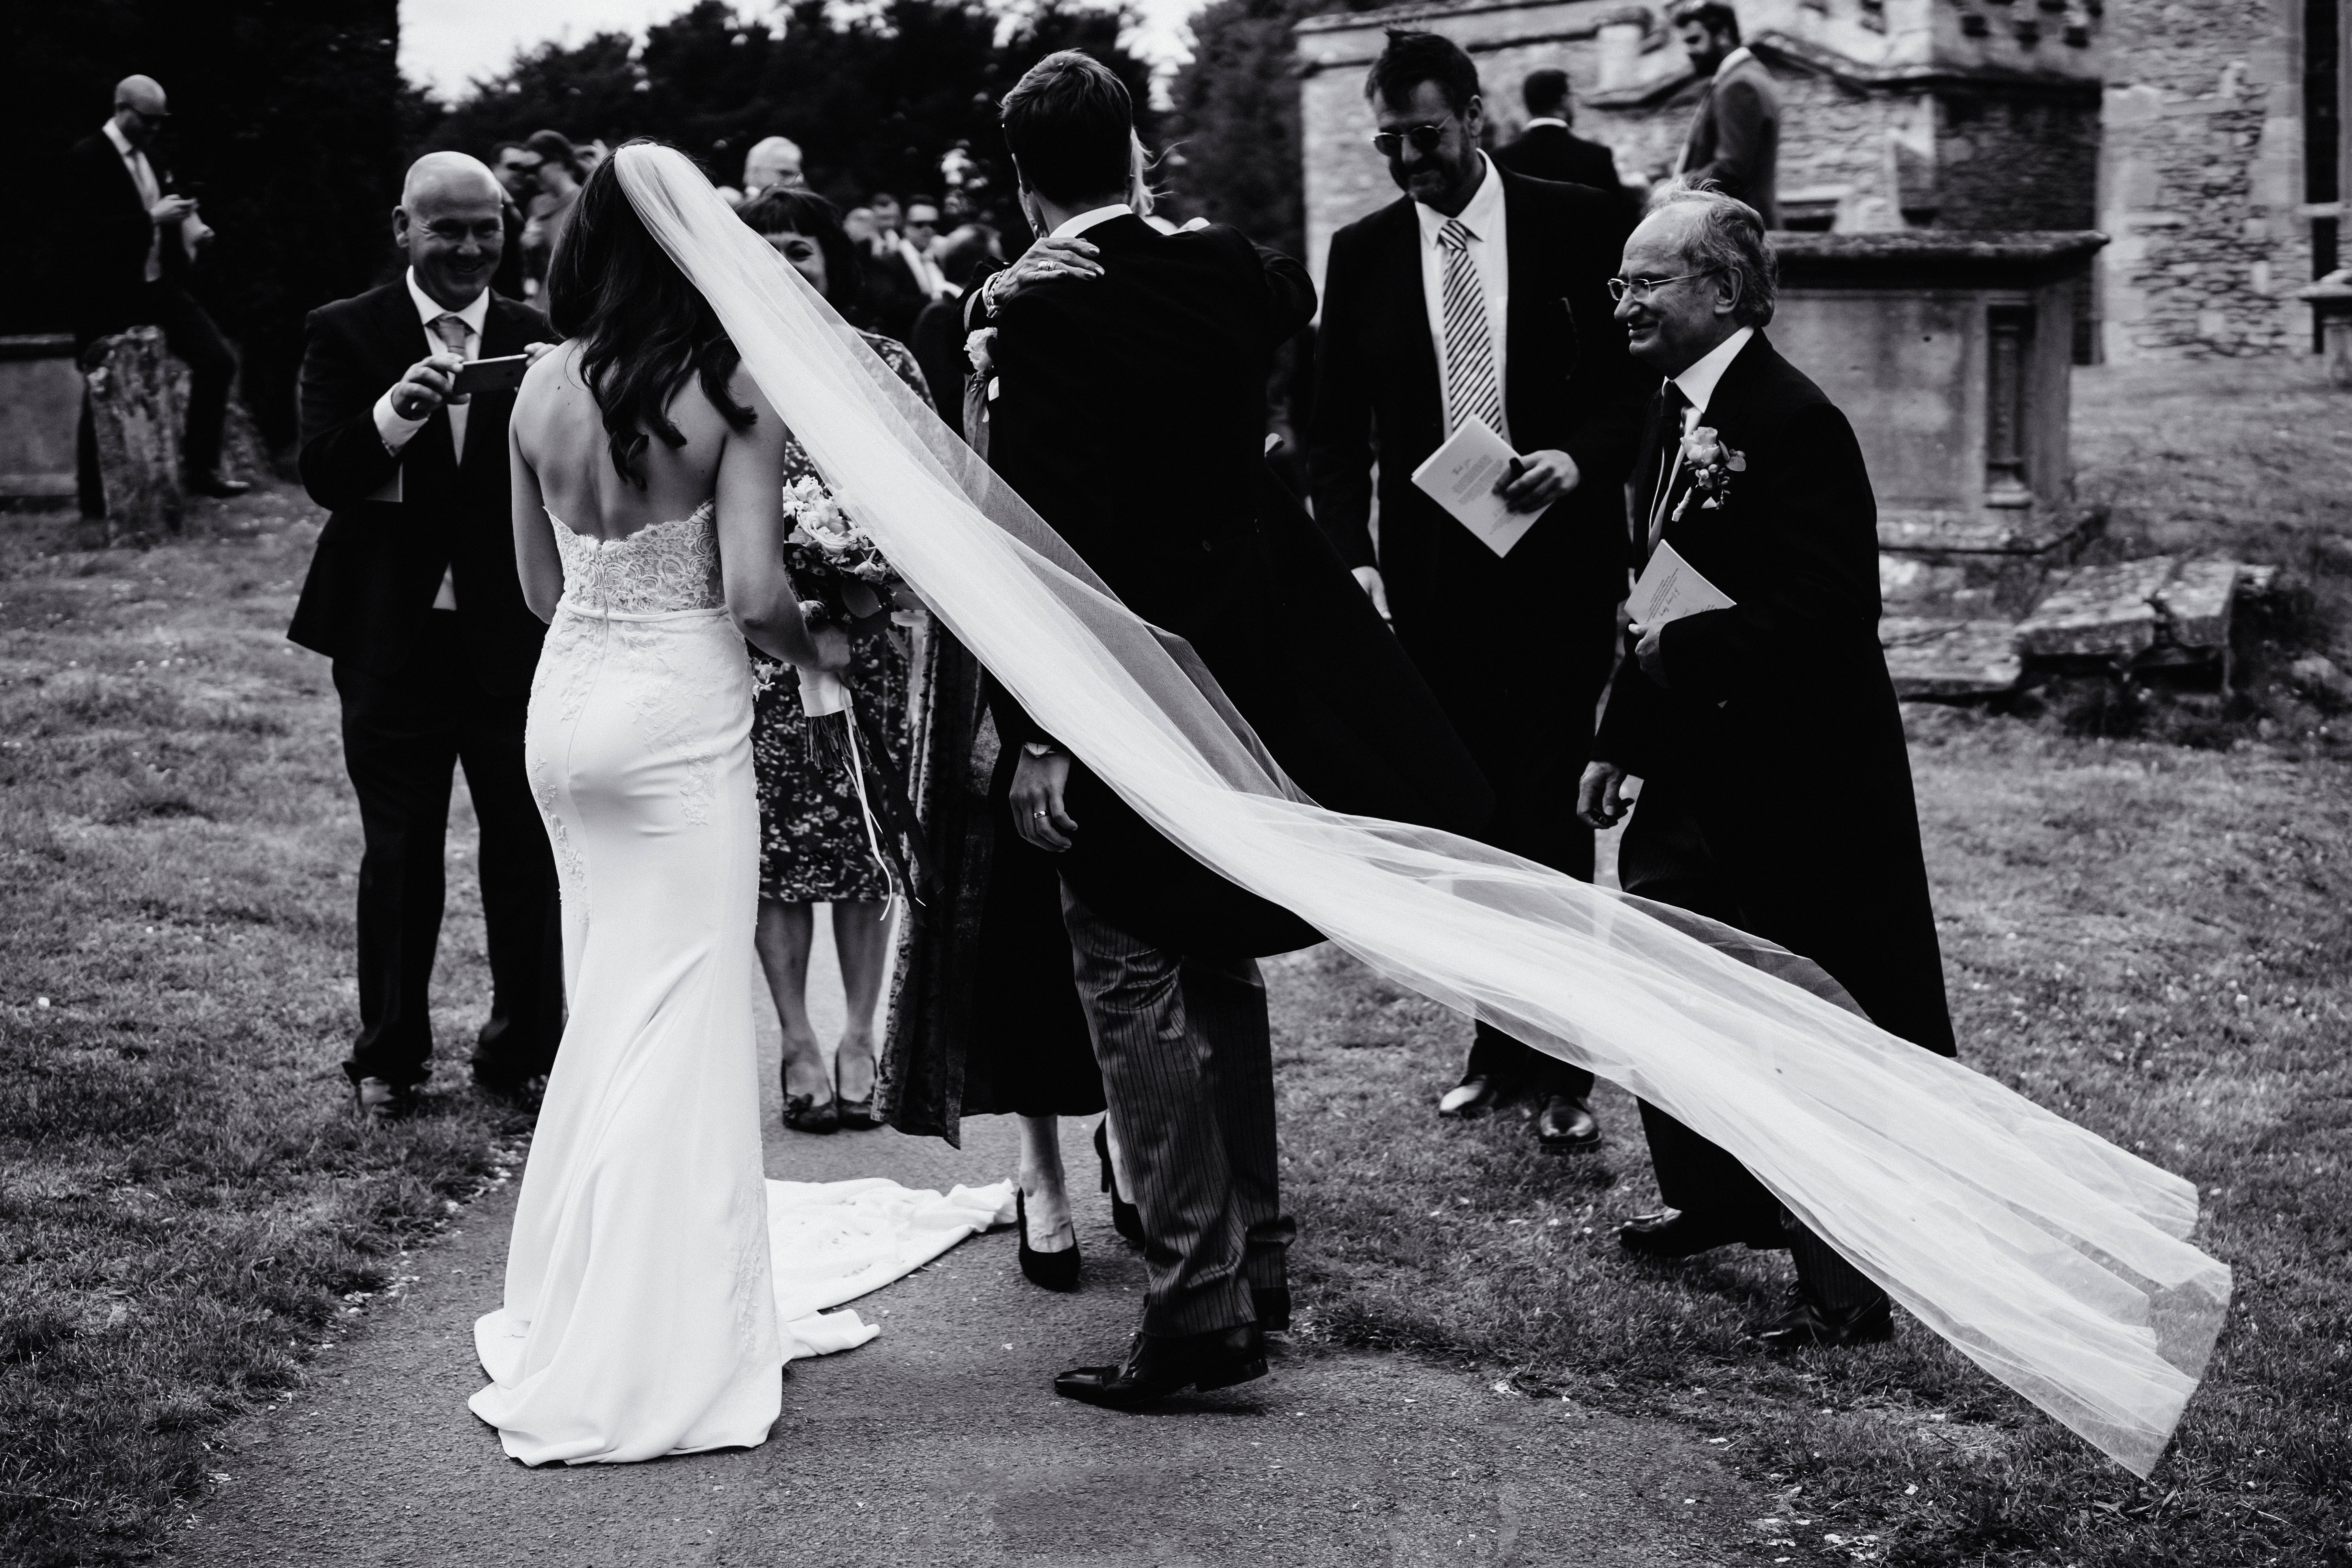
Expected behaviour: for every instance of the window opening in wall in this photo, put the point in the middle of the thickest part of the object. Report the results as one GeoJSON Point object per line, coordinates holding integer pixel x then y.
{"type": "Point", "coordinates": [2323, 132]}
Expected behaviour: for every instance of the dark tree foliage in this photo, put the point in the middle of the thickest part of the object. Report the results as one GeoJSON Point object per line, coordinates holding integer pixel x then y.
{"type": "Point", "coordinates": [1234, 126]}
{"type": "Point", "coordinates": [286, 113]}
{"type": "Point", "coordinates": [874, 102]}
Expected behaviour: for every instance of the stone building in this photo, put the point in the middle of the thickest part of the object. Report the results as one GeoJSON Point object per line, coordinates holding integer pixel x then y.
{"type": "Point", "coordinates": [2205, 135]}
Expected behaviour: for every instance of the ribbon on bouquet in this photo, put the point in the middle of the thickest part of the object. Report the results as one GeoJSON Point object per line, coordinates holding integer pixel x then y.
{"type": "Point", "coordinates": [834, 723]}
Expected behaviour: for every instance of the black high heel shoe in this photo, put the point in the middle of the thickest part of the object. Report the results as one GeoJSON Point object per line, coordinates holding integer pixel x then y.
{"type": "Point", "coordinates": [1124, 1218]}
{"type": "Point", "coordinates": [1046, 1270]}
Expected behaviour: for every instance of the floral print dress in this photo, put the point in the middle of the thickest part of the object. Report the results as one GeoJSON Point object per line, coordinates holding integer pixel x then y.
{"type": "Point", "coordinates": [812, 846]}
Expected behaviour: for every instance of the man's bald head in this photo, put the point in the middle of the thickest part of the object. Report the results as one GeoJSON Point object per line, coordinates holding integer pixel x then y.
{"type": "Point", "coordinates": [772, 161]}
{"type": "Point", "coordinates": [452, 223]}
{"type": "Point", "coordinates": [140, 109]}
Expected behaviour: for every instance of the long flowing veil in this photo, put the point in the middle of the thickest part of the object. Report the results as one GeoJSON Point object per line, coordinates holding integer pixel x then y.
{"type": "Point", "coordinates": [2055, 1260]}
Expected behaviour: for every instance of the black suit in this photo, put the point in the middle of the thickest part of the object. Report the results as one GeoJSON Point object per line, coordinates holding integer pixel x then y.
{"type": "Point", "coordinates": [1130, 412]}
{"type": "Point", "coordinates": [424, 689]}
{"type": "Point", "coordinates": [1518, 647]}
{"type": "Point", "coordinates": [109, 292]}
{"type": "Point", "coordinates": [1556, 154]}
{"type": "Point", "coordinates": [1775, 785]}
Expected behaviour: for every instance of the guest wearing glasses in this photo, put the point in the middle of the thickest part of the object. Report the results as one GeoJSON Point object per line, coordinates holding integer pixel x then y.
{"type": "Point", "coordinates": [1482, 294]}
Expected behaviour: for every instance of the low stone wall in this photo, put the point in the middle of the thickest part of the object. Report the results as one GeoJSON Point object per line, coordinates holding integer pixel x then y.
{"type": "Point", "coordinates": [40, 404]}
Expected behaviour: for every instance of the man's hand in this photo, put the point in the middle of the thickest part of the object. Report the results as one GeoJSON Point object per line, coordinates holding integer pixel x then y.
{"type": "Point", "coordinates": [534, 352]}
{"type": "Point", "coordinates": [425, 387]}
{"type": "Point", "coordinates": [1544, 477]}
{"type": "Point", "coordinates": [1368, 578]}
{"type": "Point", "coordinates": [1037, 813]}
{"type": "Point", "coordinates": [171, 209]}
{"type": "Point", "coordinates": [1048, 259]}
{"type": "Point", "coordinates": [1648, 654]}
{"type": "Point", "coordinates": [1599, 795]}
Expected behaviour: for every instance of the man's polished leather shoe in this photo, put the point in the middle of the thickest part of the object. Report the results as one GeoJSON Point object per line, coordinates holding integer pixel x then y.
{"type": "Point", "coordinates": [1671, 1233]}
{"type": "Point", "coordinates": [1805, 1326]}
{"type": "Point", "coordinates": [1472, 1099]}
{"type": "Point", "coordinates": [1565, 1125]}
{"type": "Point", "coordinates": [381, 1099]}
{"type": "Point", "coordinates": [1271, 1304]}
{"type": "Point", "coordinates": [1157, 1366]}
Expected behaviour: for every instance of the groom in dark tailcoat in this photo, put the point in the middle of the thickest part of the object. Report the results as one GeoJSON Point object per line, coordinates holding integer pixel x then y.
{"type": "Point", "coordinates": [1776, 789]}
{"type": "Point", "coordinates": [413, 593]}
{"type": "Point", "coordinates": [1482, 292]}
{"type": "Point", "coordinates": [1128, 406]}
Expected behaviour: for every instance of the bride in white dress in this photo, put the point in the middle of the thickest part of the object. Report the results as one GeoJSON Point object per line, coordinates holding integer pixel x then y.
{"type": "Point", "coordinates": [639, 1315]}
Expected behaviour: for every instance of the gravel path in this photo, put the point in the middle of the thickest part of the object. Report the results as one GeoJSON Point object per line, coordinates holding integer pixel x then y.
{"type": "Point", "coordinates": [941, 1442]}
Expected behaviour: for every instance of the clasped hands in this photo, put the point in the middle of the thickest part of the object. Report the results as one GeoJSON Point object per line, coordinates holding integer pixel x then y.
{"type": "Point", "coordinates": [432, 381]}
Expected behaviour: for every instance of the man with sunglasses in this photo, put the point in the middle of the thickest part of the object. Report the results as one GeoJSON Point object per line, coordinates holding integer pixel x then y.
{"type": "Point", "coordinates": [137, 236]}
{"type": "Point", "coordinates": [1480, 295]}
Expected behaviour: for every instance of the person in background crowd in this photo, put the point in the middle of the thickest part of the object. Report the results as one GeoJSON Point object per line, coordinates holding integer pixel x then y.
{"type": "Point", "coordinates": [1549, 150]}
{"type": "Point", "coordinates": [813, 847]}
{"type": "Point", "coordinates": [858, 223]}
{"type": "Point", "coordinates": [905, 277]}
{"type": "Point", "coordinates": [1735, 133]}
{"type": "Point", "coordinates": [939, 335]}
{"type": "Point", "coordinates": [559, 173]}
{"type": "Point", "coordinates": [412, 593]}
{"type": "Point", "coordinates": [138, 235]}
{"type": "Point", "coordinates": [887, 214]}
{"type": "Point", "coordinates": [517, 167]}
{"type": "Point", "coordinates": [773, 163]}
{"type": "Point", "coordinates": [1484, 294]}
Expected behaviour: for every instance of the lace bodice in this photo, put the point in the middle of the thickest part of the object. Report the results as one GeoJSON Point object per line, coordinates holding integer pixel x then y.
{"type": "Point", "coordinates": [661, 567]}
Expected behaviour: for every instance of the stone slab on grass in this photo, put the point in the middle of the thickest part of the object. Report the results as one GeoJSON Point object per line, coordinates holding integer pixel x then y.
{"type": "Point", "coordinates": [2099, 613]}
{"type": "Point", "coordinates": [1931, 658]}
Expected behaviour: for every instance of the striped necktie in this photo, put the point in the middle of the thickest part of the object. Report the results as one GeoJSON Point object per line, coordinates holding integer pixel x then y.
{"type": "Point", "coordinates": [1470, 387]}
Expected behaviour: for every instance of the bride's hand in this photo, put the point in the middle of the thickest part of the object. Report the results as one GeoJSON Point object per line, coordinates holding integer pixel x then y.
{"type": "Point", "coordinates": [1042, 262]}
{"type": "Point", "coordinates": [832, 645]}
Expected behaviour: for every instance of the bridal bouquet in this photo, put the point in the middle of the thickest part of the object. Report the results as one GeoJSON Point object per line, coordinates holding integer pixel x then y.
{"type": "Point", "coordinates": [843, 578]}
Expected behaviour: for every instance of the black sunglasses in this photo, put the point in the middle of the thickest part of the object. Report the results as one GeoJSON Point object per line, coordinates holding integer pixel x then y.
{"type": "Point", "coordinates": [1425, 140]}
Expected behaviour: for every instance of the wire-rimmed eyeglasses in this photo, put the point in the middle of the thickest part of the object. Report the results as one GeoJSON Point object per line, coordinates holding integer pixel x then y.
{"type": "Point", "coordinates": [1425, 140]}
{"type": "Point", "coordinates": [1642, 287]}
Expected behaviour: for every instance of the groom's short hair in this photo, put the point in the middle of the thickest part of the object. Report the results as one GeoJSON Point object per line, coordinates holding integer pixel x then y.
{"type": "Point", "coordinates": [1068, 122]}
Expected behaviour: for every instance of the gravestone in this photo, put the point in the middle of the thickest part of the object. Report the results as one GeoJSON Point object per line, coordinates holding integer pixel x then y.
{"type": "Point", "coordinates": [136, 419]}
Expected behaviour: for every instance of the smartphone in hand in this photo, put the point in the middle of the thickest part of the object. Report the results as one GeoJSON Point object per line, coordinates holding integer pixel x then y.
{"type": "Point", "coordinates": [501, 374]}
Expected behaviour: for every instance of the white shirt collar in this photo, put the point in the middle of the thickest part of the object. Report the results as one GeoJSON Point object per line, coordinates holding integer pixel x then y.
{"type": "Point", "coordinates": [429, 309]}
{"type": "Point", "coordinates": [1478, 215]}
{"type": "Point", "coordinates": [1087, 220]}
{"type": "Point", "coordinates": [1547, 120]}
{"type": "Point", "coordinates": [114, 134]}
{"type": "Point", "coordinates": [1738, 57]}
{"type": "Point", "coordinates": [1698, 382]}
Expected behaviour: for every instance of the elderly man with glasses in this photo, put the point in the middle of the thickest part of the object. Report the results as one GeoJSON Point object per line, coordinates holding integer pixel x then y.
{"type": "Point", "coordinates": [137, 238]}
{"type": "Point", "coordinates": [1479, 296]}
{"type": "Point", "coordinates": [1744, 723]}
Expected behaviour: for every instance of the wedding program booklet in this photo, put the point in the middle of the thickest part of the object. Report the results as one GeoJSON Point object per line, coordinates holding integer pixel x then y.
{"type": "Point", "coordinates": [1670, 589]}
{"type": "Point", "coordinates": [1461, 476]}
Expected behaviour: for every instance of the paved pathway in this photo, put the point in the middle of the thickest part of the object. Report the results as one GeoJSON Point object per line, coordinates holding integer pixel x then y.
{"type": "Point", "coordinates": [941, 1443]}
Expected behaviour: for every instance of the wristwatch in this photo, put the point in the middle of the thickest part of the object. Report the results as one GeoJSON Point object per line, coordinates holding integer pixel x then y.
{"type": "Point", "coordinates": [1040, 749]}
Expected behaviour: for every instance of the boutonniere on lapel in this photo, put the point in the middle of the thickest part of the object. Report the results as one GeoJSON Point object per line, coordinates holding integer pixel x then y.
{"type": "Point", "coordinates": [1711, 465]}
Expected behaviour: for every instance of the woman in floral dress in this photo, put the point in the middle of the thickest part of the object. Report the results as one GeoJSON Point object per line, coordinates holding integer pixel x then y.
{"type": "Point", "coordinates": [813, 843]}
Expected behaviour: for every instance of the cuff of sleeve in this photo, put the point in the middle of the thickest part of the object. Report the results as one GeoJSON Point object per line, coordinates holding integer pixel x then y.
{"type": "Point", "coordinates": [390, 428]}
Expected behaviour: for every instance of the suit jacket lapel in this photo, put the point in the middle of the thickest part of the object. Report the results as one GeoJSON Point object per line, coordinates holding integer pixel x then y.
{"type": "Point", "coordinates": [1409, 318]}
{"type": "Point", "coordinates": [1534, 249]}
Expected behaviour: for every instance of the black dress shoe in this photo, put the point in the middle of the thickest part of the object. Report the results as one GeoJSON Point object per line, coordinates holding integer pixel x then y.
{"type": "Point", "coordinates": [216, 486]}
{"type": "Point", "coordinates": [1472, 1099]}
{"type": "Point", "coordinates": [1271, 1304]}
{"type": "Point", "coordinates": [381, 1099]}
{"type": "Point", "coordinates": [1158, 1366]}
{"type": "Point", "coordinates": [514, 1086]}
{"type": "Point", "coordinates": [1671, 1233]}
{"type": "Point", "coordinates": [1565, 1125]}
{"type": "Point", "coordinates": [1046, 1270]}
{"type": "Point", "coordinates": [1805, 1326]}
{"type": "Point", "coordinates": [1124, 1216]}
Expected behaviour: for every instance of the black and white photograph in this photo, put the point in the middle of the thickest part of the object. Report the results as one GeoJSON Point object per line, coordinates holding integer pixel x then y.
{"type": "Point", "coordinates": [1177, 783]}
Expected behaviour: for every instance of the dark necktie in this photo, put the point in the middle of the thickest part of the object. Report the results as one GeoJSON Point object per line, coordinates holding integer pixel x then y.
{"type": "Point", "coordinates": [1671, 404]}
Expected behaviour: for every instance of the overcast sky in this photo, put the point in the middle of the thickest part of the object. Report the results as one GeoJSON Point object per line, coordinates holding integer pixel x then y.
{"type": "Point", "coordinates": [446, 43]}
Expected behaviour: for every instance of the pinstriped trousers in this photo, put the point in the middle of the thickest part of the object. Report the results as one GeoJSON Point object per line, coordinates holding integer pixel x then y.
{"type": "Point", "coordinates": [1188, 1070]}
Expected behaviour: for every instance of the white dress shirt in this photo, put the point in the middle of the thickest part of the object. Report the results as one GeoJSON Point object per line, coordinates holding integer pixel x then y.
{"type": "Point", "coordinates": [928, 277]}
{"type": "Point", "coordinates": [1490, 254]}
{"type": "Point", "coordinates": [1697, 381]}
{"type": "Point", "coordinates": [151, 191]}
{"type": "Point", "coordinates": [1547, 120]}
{"type": "Point", "coordinates": [1087, 220]}
{"type": "Point", "coordinates": [396, 430]}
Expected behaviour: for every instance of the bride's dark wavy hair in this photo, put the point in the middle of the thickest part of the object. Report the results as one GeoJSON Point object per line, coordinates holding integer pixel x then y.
{"type": "Point", "coordinates": [643, 329]}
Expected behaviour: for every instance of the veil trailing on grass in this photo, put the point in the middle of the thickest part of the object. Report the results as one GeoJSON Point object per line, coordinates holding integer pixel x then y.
{"type": "Point", "coordinates": [2055, 1260]}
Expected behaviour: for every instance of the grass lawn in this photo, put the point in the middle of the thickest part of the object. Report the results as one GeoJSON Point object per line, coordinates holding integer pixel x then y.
{"type": "Point", "coordinates": [187, 1208]}
{"type": "Point", "coordinates": [2152, 938]}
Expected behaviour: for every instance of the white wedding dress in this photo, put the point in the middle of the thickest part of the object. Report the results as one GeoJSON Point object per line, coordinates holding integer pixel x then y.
{"type": "Point", "coordinates": [656, 1282]}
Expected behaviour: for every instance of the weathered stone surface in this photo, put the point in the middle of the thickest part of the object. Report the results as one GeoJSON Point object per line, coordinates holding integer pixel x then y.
{"type": "Point", "coordinates": [2195, 605]}
{"type": "Point", "coordinates": [2099, 613]}
{"type": "Point", "coordinates": [40, 400]}
{"type": "Point", "coordinates": [1950, 658]}
{"type": "Point", "coordinates": [137, 422]}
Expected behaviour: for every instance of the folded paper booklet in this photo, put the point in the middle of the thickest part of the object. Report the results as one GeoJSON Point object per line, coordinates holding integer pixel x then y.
{"type": "Point", "coordinates": [1461, 476]}
{"type": "Point", "coordinates": [1670, 589]}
